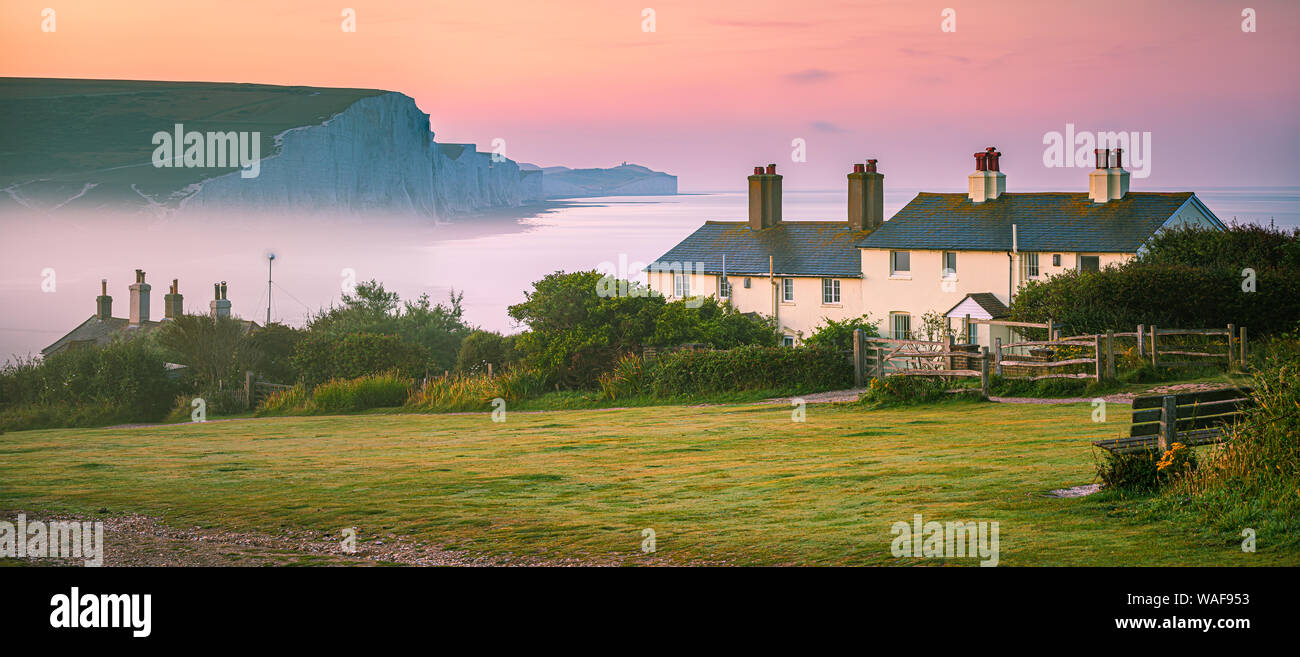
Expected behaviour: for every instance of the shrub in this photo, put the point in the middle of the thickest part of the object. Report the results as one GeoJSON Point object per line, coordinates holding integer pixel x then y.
{"type": "Point", "coordinates": [629, 378]}
{"type": "Point", "coordinates": [290, 401]}
{"type": "Point", "coordinates": [323, 357]}
{"type": "Point", "coordinates": [475, 392]}
{"type": "Point", "coordinates": [365, 392]}
{"type": "Point", "coordinates": [807, 369]}
{"type": "Point", "coordinates": [904, 390]}
{"type": "Point", "coordinates": [1188, 278]}
{"type": "Point", "coordinates": [1145, 470]}
{"type": "Point", "coordinates": [124, 381]}
{"type": "Point", "coordinates": [481, 348]}
{"type": "Point", "coordinates": [838, 335]}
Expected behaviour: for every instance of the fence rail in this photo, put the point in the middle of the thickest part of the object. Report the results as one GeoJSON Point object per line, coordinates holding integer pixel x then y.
{"type": "Point", "coordinates": [883, 357]}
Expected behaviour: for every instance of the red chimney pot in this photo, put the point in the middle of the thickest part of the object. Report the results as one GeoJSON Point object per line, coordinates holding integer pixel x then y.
{"type": "Point", "coordinates": [858, 167]}
{"type": "Point", "coordinates": [758, 171]}
{"type": "Point", "coordinates": [771, 169]}
{"type": "Point", "coordinates": [1119, 158]}
{"type": "Point", "coordinates": [871, 165]}
{"type": "Point", "coordinates": [979, 161]}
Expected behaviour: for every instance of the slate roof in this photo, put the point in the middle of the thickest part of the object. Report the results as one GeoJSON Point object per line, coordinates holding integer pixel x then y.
{"type": "Point", "coordinates": [987, 301]}
{"type": "Point", "coordinates": [94, 331]}
{"type": "Point", "coordinates": [798, 248]}
{"type": "Point", "coordinates": [1052, 221]}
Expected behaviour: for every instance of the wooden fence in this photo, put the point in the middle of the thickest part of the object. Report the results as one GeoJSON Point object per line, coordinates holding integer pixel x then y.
{"type": "Point", "coordinates": [1035, 359]}
{"type": "Point", "coordinates": [256, 391]}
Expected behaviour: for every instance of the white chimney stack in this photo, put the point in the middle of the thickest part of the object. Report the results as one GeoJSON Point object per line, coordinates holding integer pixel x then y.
{"type": "Point", "coordinates": [1099, 179]}
{"type": "Point", "coordinates": [1118, 177]}
{"type": "Point", "coordinates": [139, 299]}
{"type": "Point", "coordinates": [988, 182]}
{"type": "Point", "coordinates": [220, 306]}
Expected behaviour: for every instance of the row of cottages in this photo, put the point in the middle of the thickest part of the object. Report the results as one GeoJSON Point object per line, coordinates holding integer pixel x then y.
{"type": "Point", "coordinates": [957, 254]}
{"type": "Point", "coordinates": [102, 327]}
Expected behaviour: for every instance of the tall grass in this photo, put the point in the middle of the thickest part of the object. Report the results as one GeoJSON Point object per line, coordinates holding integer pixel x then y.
{"type": "Point", "coordinates": [474, 392]}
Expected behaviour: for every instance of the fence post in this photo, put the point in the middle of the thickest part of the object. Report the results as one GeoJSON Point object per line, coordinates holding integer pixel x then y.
{"type": "Point", "coordinates": [1168, 423]}
{"type": "Point", "coordinates": [1051, 329]}
{"type": "Point", "coordinates": [1155, 351]}
{"type": "Point", "coordinates": [1110, 355]}
{"type": "Point", "coordinates": [248, 388]}
{"type": "Point", "coordinates": [966, 329]}
{"type": "Point", "coordinates": [857, 358]}
{"type": "Point", "coordinates": [1142, 341]}
{"type": "Point", "coordinates": [880, 364]}
{"type": "Point", "coordinates": [952, 344]}
{"type": "Point", "coordinates": [489, 370]}
{"type": "Point", "coordinates": [997, 363]}
{"type": "Point", "coordinates": [1243, 349]}
{"type": "Point", "coordinates": [986, 386]}
{"type": "Point", "coordinates": [1100, 359]}
{"type": "Point", "coordinates": [1232, 332]}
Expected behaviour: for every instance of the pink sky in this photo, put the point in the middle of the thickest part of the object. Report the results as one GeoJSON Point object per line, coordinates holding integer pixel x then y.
{"type": "Point", "coordinates": [721, 86]}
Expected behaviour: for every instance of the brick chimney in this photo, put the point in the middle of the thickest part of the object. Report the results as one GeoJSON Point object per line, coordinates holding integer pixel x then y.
{"type": "Point", "coordinates": [1118, 177]}
{"type": "Point", "coordinates": [764, 198]}
{"type": "Point", "coordinates": [173, 305]}
{"type": "Point", "coordinates": [1099, 178]}
{"type": "Point", "coordinates": [139, 299]}
{"type": "Point", "coordinates": [866, 197]}
{"type": "Point", "coordinates": [219, 306]}
{"type": "Point", "coordinates": [103, 302]}
{"type": "Point", "coordinates": [987, 182]}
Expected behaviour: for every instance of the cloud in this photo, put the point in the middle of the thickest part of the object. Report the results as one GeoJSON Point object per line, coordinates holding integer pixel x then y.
{"type": "Point", "coordinates": [826, 126]}
{"type": "Point", "coordinates": [927, 54]}
{"type": "Point", "coordinates": [810, 75]}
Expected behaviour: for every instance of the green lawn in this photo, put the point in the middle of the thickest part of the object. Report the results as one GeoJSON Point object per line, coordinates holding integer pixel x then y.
{"type": "Point", "coordinates": [737, 483]}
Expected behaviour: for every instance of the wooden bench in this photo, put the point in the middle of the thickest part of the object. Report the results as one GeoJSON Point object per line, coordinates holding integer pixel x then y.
{"type": "Point", "coordinates": [1192, 418]}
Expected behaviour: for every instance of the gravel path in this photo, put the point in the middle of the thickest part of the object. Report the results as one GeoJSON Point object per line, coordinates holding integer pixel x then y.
{"type": "Point", "coordinates": [136, 540]}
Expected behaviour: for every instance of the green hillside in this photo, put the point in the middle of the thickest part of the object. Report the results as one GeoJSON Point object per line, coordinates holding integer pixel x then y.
{"type": "Point", "coordinates": [61, 135]}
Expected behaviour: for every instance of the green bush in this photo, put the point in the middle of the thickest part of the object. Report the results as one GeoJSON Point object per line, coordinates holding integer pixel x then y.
{"type": "Point", "coordinates": [1145, 470]}
{"type": "Point", "coordinates": [838, 335]}
{"type": "Point", "coordinates": [905, 390]}
{"type": "Point", "coordinates": [121, 382]}
{"type": "Point", "coordinates": [385, 390]}
{"type": "Point", "coordinates": [806, 369]}
{"type": "Point", "coordinates": [1189, 278]}
{"type": "Point", "coordinates": [323, 357]}
{"type": "Point", "coordinates": [290, 401]}
{"type": "Point", "coordinates": [481, 348]}
{"type": "Point", "coordinates": [475, 392]}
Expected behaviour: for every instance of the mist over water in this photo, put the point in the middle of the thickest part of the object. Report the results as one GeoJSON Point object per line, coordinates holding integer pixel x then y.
{"type": "Point", "coordinates": [492, 258]}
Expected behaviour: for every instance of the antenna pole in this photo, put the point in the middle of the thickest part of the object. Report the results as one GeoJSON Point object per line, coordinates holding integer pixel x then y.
{"type": "Point", "coordinates": [269, 261]}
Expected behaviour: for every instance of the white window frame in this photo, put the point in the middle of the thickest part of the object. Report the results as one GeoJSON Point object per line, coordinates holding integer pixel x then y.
{"type": "Point", "coordinates": [724, 288]}
{"type": "Point", "coordinates": [787, 290]}
{"type": "Point", "coordinates": [1078, 261]}
{"type": "Point", "coordinates": [681, 285]}
{"type": "Point", "coordinates": [830, 291]}
{"type": "Point", "coordinates": [1029, 267]}
{"type": "Point", "coordinates": [893, 264]}
{"type": "Point", "coordinates": [945, 271]}
{"type": "Point", "coordinates": [894, 317]}
{"type": "Point", "coordinates": [787, 341]}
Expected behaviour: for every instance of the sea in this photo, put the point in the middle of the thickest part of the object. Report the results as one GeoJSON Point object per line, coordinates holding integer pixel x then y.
{"type": "Point", "coordinates": [51, 266]}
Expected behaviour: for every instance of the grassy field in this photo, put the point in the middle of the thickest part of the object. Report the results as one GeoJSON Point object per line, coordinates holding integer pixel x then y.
{"type": "Point", "coordinates": [738, 483]}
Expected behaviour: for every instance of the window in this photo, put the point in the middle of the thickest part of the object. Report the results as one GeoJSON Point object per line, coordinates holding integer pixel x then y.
{"type": "Point", "coordinates": [1056, 260]}
{"type": "Point", "coordinates": [1028, 265]}
{"type": "Point", "coordinates": [974, 336]}
{"type": "Point", "coordinates": [787, 290]}
{"type": "Point", "coordinates": [949, 264]}
{"type": "Point", "coordinates": [724, 288]}
{"type": "Point", "coordinates": [1089, 263]}
{"type": "Point", "coordinates": [746, 282]}
{"type": "Point", "coordinates": [681, 285]}
{"type": "Point", "coordinates": [900, 262]}
{"type": "Point", "coordinates": [787, 340]}
{"type": "Point", "coordinates": [830, 290]}
{"type": "Point", "coordinates": [901, 326]}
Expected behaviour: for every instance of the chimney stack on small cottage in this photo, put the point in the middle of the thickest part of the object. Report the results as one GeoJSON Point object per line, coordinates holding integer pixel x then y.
{"type": "Point", "coordinates": [764, 198]}
{"type": "Point", "coordinates": [1118, 177]}
{"type": "Point", "coordinates": [173, 306]}
{"type": "Point", "coordinates": [987, 182]}
{"type": "Point", "coordinates": [103, 302]}
{"type": "Point", "coordinates": [1108, 181]}
{"type": "Point", "coordinates": [866, 197]}
{"type": "Point", "coordinates": [220, 306]}
{"type": "Point", "coordinates": [139, 299]}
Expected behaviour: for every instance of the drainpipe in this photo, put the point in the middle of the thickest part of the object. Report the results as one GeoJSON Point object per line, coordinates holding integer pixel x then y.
{"type": "Point", "coordinates": [771, 276]}
{"type": "Point", "coordinates": [1013, 260]}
